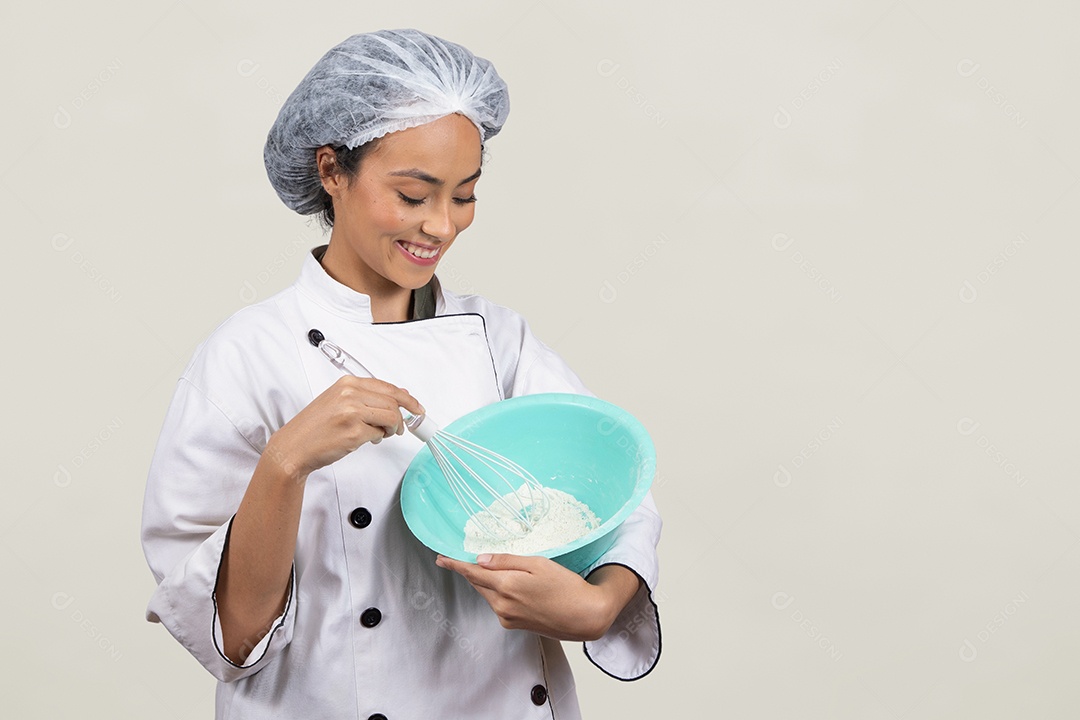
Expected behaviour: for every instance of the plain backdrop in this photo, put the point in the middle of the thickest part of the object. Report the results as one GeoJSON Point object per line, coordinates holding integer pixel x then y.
{"type": "Point", "coordinates": [825, 251]}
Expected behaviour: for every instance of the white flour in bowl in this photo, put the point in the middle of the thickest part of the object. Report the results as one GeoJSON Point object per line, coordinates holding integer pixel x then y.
{"type": "Point", "coordinates": [567, 519]}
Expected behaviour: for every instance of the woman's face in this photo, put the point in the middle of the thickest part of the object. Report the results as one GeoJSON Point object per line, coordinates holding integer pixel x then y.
{"type": "Point", "coordinates": [411, 197]}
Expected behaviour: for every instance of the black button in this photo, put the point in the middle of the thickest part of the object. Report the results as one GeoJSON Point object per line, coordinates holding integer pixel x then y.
{"type": "Point", "coordinates": [371, 617]}
{"type": "Point", "coordinates": [377, 716]}
{"type": "Point", "coordinates": [539, 694]}
{"type": "Point", "coordinates": [360, 517]}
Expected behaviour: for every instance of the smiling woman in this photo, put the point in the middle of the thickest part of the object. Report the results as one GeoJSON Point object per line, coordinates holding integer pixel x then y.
{"type": "Point", "coordinates": [398, 215]}
{"type": "Point", "coordinates": [271, 520]}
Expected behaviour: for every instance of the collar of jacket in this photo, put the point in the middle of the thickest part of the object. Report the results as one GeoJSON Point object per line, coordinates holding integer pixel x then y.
{"type": "Point", "coordinates": [351, 304]}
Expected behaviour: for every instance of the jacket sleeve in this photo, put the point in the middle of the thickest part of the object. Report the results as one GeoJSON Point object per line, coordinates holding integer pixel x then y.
{"type": "Point", "coordinates": [200, 469]}
{"type": "Point", "coordinates": [631, 647]}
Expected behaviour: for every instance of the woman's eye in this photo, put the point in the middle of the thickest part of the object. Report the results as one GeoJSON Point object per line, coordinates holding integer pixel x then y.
{"type": "Point", "coordinates": [420, 201]}
{"type": "Point", "coordinates": [410, 200]}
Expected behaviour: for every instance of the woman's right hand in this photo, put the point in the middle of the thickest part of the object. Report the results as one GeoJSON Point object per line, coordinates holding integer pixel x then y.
{"type": "Point", "coordinates": [346, 415]}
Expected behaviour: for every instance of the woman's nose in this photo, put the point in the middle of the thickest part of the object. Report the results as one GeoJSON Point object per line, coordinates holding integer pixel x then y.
{"type": "Point", "coordinates": [439, 223]}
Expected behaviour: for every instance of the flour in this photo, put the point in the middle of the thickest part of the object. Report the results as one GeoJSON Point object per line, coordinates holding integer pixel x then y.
{"type": "Point", "coordinates": [566, 520]}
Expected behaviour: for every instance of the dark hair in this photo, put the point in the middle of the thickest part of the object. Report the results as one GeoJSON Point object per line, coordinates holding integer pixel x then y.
{"type": "Point", "coordinates": [347, 163]}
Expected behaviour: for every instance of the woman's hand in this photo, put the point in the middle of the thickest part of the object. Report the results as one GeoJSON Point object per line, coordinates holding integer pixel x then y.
{"type": "Point", "coordinates": [253, 581]}
{"type": "Point", "coordinates": [346, 415]}
{"type": "Point", "coordinates": [539, 595]}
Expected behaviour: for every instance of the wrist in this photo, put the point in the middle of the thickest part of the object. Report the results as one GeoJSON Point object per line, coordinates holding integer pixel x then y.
{"type": "Point", "coordinates": [279, 457]}
{"type": "Point", "coordinates": [615, 587]}
{"type": "Point", "coordinates": [598, 615]}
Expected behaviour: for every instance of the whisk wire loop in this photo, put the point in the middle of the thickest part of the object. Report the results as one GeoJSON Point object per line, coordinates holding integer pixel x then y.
{"type": "Point", "coordinates": [523, 503]}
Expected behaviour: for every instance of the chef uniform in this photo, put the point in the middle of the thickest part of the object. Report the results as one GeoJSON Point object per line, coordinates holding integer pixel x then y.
{"type": "Point", "coordinates": [372, 628]}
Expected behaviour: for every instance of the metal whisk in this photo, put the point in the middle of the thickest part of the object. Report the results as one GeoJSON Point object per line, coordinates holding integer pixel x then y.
{"type": "Point", "coordinates": [515, 501]}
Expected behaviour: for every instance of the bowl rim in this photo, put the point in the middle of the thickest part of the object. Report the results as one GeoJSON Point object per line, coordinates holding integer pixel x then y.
{"type": "Point", "coordinates": [620, 417]}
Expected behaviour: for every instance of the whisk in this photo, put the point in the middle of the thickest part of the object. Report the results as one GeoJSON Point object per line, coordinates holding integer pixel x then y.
{"type": "Point", "coordinates": [467, 467]}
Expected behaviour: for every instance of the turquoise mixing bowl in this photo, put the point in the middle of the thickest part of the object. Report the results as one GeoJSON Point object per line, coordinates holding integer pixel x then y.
{"type": "Point", "coordinates": [589, 448]}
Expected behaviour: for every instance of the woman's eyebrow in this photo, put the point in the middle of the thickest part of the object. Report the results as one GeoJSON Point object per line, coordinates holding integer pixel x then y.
{"type": "Point", "coordinates": [425, 177]}
{"type": "Point", "coordinates": [471, 177]}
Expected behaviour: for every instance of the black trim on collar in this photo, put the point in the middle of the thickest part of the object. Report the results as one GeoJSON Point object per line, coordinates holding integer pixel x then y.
{"type": "Point", "coordinates": [421, 302]}
{"type": "Point", "coordinates": [487, 340]}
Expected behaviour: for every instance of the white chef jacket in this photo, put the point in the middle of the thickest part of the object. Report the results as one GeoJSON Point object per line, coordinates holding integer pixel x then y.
{"type": "Point", "coordinates": [372, 628]}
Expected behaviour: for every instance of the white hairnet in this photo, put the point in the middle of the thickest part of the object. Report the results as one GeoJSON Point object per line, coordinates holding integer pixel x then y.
{"type": "Point", "coordinates": [370, 85]}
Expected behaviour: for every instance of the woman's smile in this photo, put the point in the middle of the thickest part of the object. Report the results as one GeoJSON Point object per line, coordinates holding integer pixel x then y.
{"type": "Point", "coordinates": [396, 219]}
{"type": "Point", "coordinates": [419, 254]}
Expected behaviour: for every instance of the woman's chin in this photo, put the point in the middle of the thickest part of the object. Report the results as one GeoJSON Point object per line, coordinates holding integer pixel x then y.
{"type": "Point", "coordinates": [414, 280]}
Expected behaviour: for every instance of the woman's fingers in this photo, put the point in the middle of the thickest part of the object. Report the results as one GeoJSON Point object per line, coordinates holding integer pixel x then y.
{"type": "Point", "coordinates": [346, 415]}
{"type": "Point", "coordinates": [407, 401]}
{"type": "Point", "coordinates": [478, 577]}
{"type": "Point", "coordinates": [378, 393]}
{"type": "Point", "coordinates": [392, 393]}
{"type": "Point", "coordinates": [376, 403]}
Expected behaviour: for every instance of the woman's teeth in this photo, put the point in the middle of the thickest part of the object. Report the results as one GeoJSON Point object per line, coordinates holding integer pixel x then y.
{"type": "Point", "coordinates": [419, 251]}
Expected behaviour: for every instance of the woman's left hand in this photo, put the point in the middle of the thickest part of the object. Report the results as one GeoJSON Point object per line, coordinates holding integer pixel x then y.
{"type": "Point", "coordinates": [539, 595]}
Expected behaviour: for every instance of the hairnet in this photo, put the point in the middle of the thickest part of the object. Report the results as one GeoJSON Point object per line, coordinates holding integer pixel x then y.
{"type": "Point", "coordinates": [370, 85]}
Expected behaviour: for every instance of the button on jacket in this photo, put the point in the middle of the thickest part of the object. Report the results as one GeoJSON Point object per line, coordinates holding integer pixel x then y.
{"type": "Point", "coordinates": [371, 627]}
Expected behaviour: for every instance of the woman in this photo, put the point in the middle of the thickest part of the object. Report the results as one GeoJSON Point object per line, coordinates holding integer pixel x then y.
{"type": "Point", "coordinates": [271, 520]}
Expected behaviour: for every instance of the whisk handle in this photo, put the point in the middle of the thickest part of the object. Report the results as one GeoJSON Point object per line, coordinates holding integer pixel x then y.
{"type": "Point", "coordinates": [420, 425]}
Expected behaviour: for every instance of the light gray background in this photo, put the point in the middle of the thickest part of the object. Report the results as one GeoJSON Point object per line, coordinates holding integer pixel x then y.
{"type": "Point", "coordinates": [825, 251]}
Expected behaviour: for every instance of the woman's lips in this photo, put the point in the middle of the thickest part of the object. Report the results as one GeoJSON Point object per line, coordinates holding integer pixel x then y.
{"type": "Point", "coordinates": [415, 253]}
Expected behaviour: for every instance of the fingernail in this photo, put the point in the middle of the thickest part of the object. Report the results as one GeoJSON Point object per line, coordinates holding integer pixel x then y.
{"type": "Point", "coordinates": [483, 559]}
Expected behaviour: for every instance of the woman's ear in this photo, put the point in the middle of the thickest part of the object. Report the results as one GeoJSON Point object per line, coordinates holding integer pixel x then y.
{"type": "Point", "coordinates": [329, 173]}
